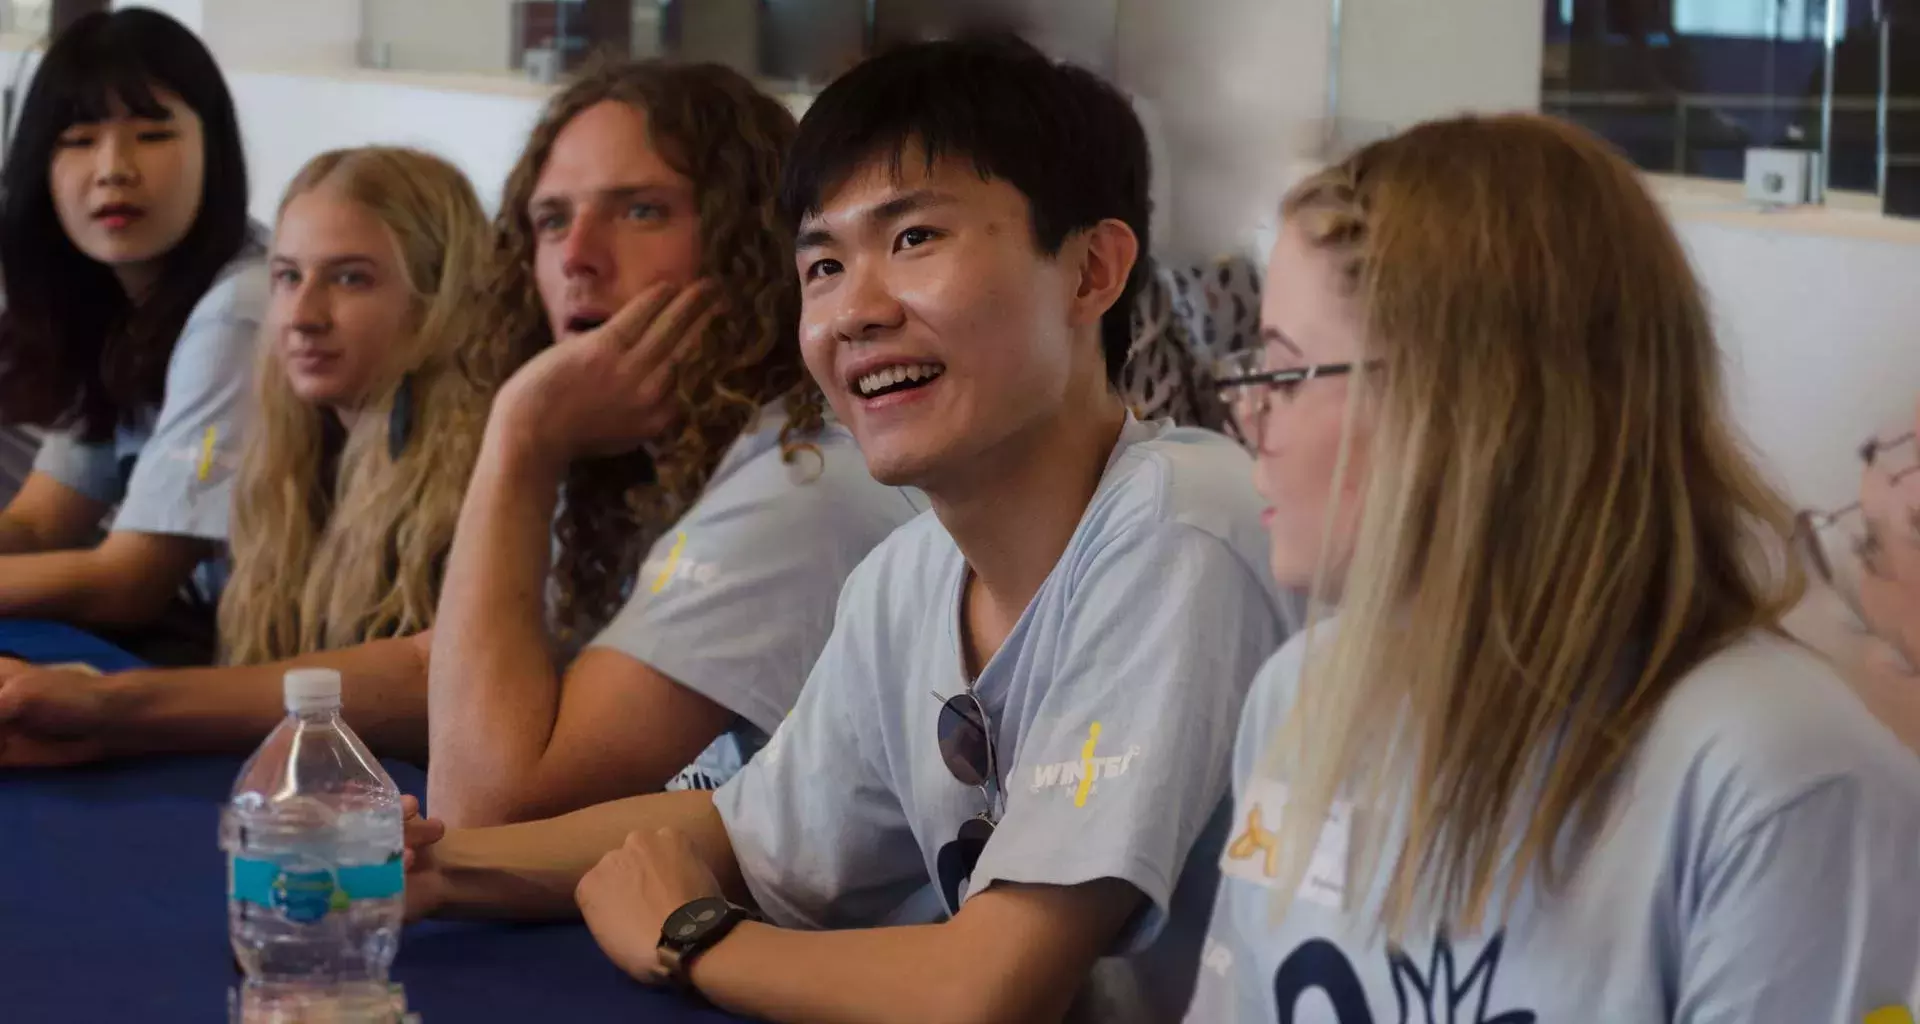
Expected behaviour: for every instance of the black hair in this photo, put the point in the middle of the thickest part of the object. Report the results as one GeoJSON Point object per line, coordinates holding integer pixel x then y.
{"type": "Point", "coordinates": [73, 348]}
{"type": "Point", "coordinates": [1064, 137]}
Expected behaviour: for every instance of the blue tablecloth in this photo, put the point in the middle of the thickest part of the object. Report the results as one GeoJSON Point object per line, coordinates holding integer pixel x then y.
{"type": "Point", "coordinates": [112, 904]}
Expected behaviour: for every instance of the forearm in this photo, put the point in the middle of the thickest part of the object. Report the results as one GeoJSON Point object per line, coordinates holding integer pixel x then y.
{"type": "Point", "coordinates": [905, 975]}
{"type": "Point", "coordinates": [493, 688]}
{"type": "Point", "coordinates": [17, 537]}
{"type": "Point", "coordinates": [82, 587]}
{"type": "Point", "coordinates": [229, 709]}
{"type": "Point", "coordinates": [530, 870]}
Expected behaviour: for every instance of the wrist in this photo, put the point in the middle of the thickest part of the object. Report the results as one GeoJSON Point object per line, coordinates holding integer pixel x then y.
{"type": "Point", "coordinates": [131, 699]}
{"type": "Point", "coordinates": [515, 448]}
{"type": "Point", "coordinates": [705, 970]}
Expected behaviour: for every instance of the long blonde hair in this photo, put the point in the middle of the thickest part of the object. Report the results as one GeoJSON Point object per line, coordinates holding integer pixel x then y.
{"type": "Point", "coordinates": [726, 136]}
{"type": "Point", "coordinates": [1557, 523]}
{"type": "Point", "coordinates": [323, 562]}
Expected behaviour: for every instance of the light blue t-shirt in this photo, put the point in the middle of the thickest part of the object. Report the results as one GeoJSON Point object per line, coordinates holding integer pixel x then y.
{"type": "Point", "coordinates": [1113, 703]}
{"type": "Point", "coordinates": [171, 470]}
{"type": "Point", "coordinates": [1761, 865]}
{"type": "Point", "coordinates": [736, 601]}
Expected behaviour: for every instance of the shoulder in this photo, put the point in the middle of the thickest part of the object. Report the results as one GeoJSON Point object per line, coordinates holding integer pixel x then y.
{"type": "Point", "coordinates": [1273, 692]}
{"type": "Point", "coordinates": [817, 487]}
{"type": "Point", "coordinates": [1174, 494]}
{"type": "Point", "coordinates": [1164, 473]}
{"type": "Point", "coordinates": [1763, 724]}
{"type": "Point", "coordinates": [239, 292]}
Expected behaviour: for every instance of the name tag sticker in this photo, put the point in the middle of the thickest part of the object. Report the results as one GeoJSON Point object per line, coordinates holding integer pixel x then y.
{"type": "Point", "coordinates": [1253, 854]}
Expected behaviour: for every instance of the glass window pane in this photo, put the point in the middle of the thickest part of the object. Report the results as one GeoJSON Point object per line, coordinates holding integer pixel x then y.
{"type": "Point", "coordinates": [1687, 86]}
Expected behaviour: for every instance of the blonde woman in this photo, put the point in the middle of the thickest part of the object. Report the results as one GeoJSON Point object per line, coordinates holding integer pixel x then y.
{"type": "Point", "coordinates": [1553, 760]}
{"type": "Point", "coordinates": [348, 489]}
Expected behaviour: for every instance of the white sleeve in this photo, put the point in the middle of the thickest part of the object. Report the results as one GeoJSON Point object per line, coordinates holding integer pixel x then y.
{"type": "Point", "coordinates": [1811, 916]}
{"type": "Point", "coordinates": [1127, 761]}
{"type": "Point", "coordinates": [816, 826]}
{"type": "Point", "coordinates": [736, 602]}
{"type": "Point", "coordinates": [182, 480]}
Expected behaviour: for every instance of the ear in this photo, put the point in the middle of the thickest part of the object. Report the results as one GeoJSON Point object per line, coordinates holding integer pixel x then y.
{"type": "Point", "coordinates": [1108, 251]}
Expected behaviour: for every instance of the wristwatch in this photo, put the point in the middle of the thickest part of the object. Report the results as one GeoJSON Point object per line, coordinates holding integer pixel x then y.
{"type": "Point", "coordinates": [691, 931]}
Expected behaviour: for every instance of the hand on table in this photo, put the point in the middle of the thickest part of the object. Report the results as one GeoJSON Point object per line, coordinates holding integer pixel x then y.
{"type": "Point", "coordinates": [607, 391]}
{"type": "Point", "coordinates": [628, 896]}
{"type": "Point", "coordinates": [51, 717]}
{"type": "Point", "coordinates": [423, 875]}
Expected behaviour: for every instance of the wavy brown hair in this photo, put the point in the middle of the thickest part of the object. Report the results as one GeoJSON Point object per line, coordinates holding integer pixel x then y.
{"type": "Point", "coordinates": [1558, 520]}
{"type": "Point", "coordinates": [319, 561]}
{"type": "Point", "coordinates": [728, 138]}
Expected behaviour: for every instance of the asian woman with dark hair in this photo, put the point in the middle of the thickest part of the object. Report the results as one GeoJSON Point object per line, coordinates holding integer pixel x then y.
{"type": "Point", "coordinates": [135, 287]}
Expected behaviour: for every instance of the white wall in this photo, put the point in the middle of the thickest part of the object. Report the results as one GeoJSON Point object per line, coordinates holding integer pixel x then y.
{"type": "Point", "coordinates": [187, 12]}
{"type": "Point", "coordinates": [466, 36]}
{"type": "Point", "coordinates": [1405, 61]}
{"type": "Point", "coordinates": [288, 118]}
{"type": "Point", "coordinates": [1817, 312]}
{"type": "Point", "coordinates": [308, 34]}
{"type": "Point", "coordinates": [1237, 88]}
{"type": "Point", "coordinates": [1240, 89]}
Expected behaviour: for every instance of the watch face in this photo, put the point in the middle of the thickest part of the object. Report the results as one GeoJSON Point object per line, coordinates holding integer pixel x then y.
{"type": "Point", "coordinates": [693, 921]}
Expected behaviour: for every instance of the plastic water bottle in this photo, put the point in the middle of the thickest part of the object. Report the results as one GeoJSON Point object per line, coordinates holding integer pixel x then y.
{"type": "Point", "coordinates": [313, 842]}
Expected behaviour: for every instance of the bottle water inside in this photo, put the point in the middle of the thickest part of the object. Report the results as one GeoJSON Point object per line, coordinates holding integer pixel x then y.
{"type": "Point", "coordinates": [313, 841]}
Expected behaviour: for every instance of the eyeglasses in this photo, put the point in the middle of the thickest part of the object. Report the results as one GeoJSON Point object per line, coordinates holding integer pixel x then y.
{"type": "Point", "coordinates": [1246, 388]}
{"type": "Point", "coordinates": [1841, 546]}
{"type": "Point", "coordinates": [966, 746]}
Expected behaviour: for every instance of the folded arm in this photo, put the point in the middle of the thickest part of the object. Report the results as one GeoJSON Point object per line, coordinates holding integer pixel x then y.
{"type": "Point", "coordinates": [1014, 954]}
{"type": "Point", "coordinates": [128, 580]}
{"type": "Point", "coordinates": [530, 870]}
{"type": "Point", "coordinates": [50, 717]}
{"type": "Point", "coordinates": [47, 515]}
{"type": "Point", "coordinates": [511, 739]}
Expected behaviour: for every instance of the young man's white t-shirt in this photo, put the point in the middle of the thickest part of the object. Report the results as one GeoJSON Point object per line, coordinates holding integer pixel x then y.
{"type": "Point", "coordinates": [1113, 704]}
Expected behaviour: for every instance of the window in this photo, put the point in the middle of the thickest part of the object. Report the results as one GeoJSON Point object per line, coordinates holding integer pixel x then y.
{"type": "Point", "coordinates": [1688, 86]}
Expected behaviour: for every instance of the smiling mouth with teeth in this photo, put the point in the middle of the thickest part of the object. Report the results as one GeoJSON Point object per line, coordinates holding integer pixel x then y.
{"type": "Point", "coordinates": [897, 378]}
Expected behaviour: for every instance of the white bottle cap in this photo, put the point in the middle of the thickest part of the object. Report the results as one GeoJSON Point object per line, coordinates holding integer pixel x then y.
{"type": "Point", "coordinates": [312, 689]}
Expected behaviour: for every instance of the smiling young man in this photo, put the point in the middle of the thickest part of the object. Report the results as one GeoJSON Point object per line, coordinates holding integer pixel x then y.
{"type": "Point", "coordinates": [983, 805]}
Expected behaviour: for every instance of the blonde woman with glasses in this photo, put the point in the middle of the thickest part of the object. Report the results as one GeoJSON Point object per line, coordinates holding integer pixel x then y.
{"type": "Point", "coordinates": [1550, 756]}
{"type": "Point", "coordinates": [368, 423]}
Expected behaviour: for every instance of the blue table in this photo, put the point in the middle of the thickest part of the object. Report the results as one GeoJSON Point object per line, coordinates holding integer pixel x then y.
{"type": "Point", "coordinates": [111, 905]}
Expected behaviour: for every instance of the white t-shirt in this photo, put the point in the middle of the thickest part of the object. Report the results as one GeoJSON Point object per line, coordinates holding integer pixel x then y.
{"type": "Point", "coordinates": [1113, 703]}
{"type": "Point", "coordinates": [171, 470]}
{"type": "Point", "coordinates": [736, 601]}
{"type": "Point", "coordinates": [1761, 865]}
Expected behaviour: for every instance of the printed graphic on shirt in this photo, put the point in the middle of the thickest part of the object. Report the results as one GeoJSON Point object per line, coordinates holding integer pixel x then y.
{"type": "Point", "coordinates": [1437, 992]}
{"type": "Point", "coordinates": [1083, 775]}
{"type": "Point", "coordinates": [676, 567]}
{"type": "Point", "coordinates": [1253, 854]}
{"type": "Point", "coordinates": [205, 455]}
{"type": "Point", "coordinates": [1889, 1015]}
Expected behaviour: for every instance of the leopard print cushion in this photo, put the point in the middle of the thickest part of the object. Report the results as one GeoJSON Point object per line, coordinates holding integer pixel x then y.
{"type": "Point", "coordinates": [1187, 318]}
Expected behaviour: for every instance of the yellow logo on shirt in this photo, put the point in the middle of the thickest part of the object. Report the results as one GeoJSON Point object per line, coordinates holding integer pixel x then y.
{"type": "Point", "coordinates": [1086, 766]}
{"type": "Point", "coordinates": [673, 562]}
{"type": "Point", "coordinates": [1084, 773]}
{"type": "Point", "coordinates": [1889, 1015]}
{"type": "Point", "coordinates": [206, 452]}
{"type": "Point", "coordinates": [1257, 839]}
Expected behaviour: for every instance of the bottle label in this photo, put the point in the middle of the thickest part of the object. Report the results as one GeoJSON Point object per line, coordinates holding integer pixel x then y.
{"type": "Point", "coordinates": [307, 896]}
